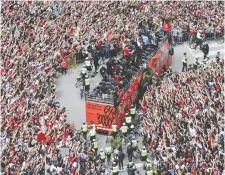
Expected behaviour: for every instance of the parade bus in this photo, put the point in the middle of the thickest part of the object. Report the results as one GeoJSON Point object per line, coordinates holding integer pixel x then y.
{"type": "Point", "coordinates": [104, 113]}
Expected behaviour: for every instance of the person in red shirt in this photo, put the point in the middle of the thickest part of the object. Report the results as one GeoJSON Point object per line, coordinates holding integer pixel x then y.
{"type": "Point", "coordinates": [117, 79]}
{"type": "Point", "coordinates": [64, 66]}
{"type": "Point", "coordinates": [126, 52]}
{"type": "Point", "coordinates": [166, 27]}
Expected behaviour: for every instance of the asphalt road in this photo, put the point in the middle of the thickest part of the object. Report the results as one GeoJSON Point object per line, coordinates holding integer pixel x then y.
{"type": "Point", "coordinates": [69, 96]}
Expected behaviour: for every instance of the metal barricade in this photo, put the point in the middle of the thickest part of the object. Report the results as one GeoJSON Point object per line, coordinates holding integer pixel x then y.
{"type": "Point", "coordinates": [72, 61]}
{"type": "Point", "coordinates": [181, 37]}
{"type": "Point", "coordinates": [79, 56]}
{"type": "Point", "coordinates": [74, 58]}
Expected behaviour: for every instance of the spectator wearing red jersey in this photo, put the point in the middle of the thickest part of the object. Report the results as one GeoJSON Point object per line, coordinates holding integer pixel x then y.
{"type": "Point", "coordinates": [64, 66]}
{"type": "Point", "coordinates": [126, 52]}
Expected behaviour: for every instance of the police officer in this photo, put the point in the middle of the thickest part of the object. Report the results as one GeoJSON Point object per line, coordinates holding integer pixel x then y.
{"type": "Point", "coordinates": [149, 171]}
{"type": "Point", "coordinates": [144, 154]}
{"type": "Point", "coordinates": [124, 129]}
{"type": "Point", "coordinates": [218, 57]}
{"type": "Point", "coordinates": [131, 168]}
{"type": "Point", "coordinates": [84, 129]}
{"type": "Point", "coordinates": [147, 165]}
{"type": "Point", "coordinates": [204, 65]}
{"type": "Point", "coordinates": [93, 126]}
{"type": "Point", "coordinates": [154, 168]}
{"type": "Point", "coordinates": [115, 169]}
{"type": "Point", "coordinates": [102, 156]}
{"type": "Point", "coordinates": [92, 133]}
{"type": "Point", "coordinates": [128, 120]}
{"type": "Point", "coordinates": [148, 168]}
{"type": "Point", "coordinates": [108, 151]}
{"type": "Point", "coordinates": [154, 79]}
{"type": "Point", "coordinates": [114, 130]}
{"type": "Point", "coordinates": [87, 83]}
{"type": "Point", "coordinates": [134, 143]}
{"type": "Point", "coordinates": [184, 61]}
{"type": "Point", "coordinates": [53, 87]}
{"type": "Point", "coordinates": [87, 63]}
{"type": "Point", "coordinates": [133, 111]}
{"type": "Point", "coordinates": [83, 73]}
{"type": "Point", "coordinates": [95, 146]}
{"type": "Point", "coordinates": [195, 63]}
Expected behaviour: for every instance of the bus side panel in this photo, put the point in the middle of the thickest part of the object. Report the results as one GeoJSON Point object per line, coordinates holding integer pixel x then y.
{"type": "Point", "coordinates": [102, 115]}
{"type": "Point", "coordinates": [164, 59]}
{"type": "Point", "coordinates": [161, 58]}
{"type": "Point", "coordinates": [169, 62]}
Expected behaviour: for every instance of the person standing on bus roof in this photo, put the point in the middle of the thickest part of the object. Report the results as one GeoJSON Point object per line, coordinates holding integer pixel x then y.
{"type": "Point", "coordinates": [184, 61]}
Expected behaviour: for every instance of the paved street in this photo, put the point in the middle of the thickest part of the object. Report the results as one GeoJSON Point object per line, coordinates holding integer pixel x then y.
{"type": "Point", "coordinates": [69, 96]}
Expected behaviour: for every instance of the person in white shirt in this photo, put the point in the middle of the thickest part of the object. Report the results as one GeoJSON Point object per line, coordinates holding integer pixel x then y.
{"type": "Point", "coordinates": [53, 168]}
{"type": "Point", "coordinates": [83, 73]}
{"type": "Point", "coordinates": [88, 64]}
{"type": "Point", "coordinates": [199, 37]}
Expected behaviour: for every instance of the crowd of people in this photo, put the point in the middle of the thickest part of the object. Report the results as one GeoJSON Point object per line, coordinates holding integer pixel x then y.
{"type": "Point", "coordinates": [37, 37]}
{"type": "Point", "coordinates": [183, 116]}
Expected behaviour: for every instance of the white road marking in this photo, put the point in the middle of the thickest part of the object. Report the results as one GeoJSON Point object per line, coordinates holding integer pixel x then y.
{"type": "Point", "coordinates": [190, 50]}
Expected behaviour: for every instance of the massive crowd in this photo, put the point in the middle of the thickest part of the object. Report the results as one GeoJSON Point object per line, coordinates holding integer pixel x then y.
{"type": "Point", "coordinates": [36, 37]}
{"type": "Point", "coordinates": [184, 120]}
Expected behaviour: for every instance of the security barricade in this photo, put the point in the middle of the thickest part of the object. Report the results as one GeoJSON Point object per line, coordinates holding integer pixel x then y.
{"type": "Point", "coordinates": [79, 56]}
{"type": "Point", "coordinates": [71, 62]}
{"type": "Point", "coordinates": [181, 37]}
